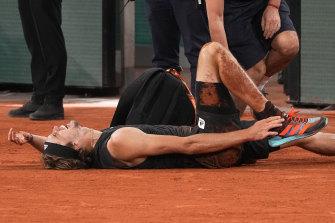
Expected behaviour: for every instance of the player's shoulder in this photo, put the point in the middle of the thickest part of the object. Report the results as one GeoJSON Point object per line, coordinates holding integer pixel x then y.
{"type": "Point", "coordinates": [124, 134]}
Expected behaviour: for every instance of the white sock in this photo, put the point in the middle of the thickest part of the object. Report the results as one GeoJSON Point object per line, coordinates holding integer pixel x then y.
{"type": "Point", "coordinates": [263, 82]}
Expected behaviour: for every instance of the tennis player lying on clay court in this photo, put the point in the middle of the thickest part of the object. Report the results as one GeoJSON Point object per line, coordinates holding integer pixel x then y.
{"type": "Point", "coordinates": [220, 139]}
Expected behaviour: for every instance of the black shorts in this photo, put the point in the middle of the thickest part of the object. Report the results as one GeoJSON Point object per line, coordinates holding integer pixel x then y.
{"type": "Point", "coordinates": [242, 20]}
{"type": "Point", "coordinates": [156, 97]}
{"type": "Point", "coordinates": [216, 113]}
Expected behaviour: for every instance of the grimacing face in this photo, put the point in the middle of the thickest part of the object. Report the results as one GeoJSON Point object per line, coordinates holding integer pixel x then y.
{"type": "Point", "coordinates": [64, 134]}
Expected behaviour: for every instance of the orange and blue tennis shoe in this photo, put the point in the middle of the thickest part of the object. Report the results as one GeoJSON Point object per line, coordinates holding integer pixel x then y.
{"type": "Point", "coordinates": [294, 128]}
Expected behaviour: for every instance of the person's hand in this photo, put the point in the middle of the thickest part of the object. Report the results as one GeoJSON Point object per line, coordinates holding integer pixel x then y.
{"type": "Point", "coordinates": [270, 22]}
{"type": "Point", "coordinates": [20, 137]}
{"type": "Point", "coordinates": [262, 128]}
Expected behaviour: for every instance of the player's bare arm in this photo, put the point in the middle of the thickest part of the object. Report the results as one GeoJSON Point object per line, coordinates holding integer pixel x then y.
{"type": "Point", "coordinates": [132, 146]}
{"type": "Point", "coordinates": [215, 12]}
{"type": "Point", "coordinates": [22, 137]}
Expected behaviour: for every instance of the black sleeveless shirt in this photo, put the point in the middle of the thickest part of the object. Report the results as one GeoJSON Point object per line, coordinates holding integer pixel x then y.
{"type": "Point", "coordinates": [103, 160]}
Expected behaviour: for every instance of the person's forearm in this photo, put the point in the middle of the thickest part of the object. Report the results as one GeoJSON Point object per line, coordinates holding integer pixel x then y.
{"type": "Point", "coordinates": [213, 142]}
{"type": "Point", "coordinates": [215, 14]}
{"type": "Point", "coordinates": [38, 142]}
{"type": "Point", "coordinates": [218, 33]}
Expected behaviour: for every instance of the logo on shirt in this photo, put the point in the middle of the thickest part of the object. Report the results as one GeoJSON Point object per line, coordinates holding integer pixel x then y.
{"type": "Point", "coordinates": [201, 123]}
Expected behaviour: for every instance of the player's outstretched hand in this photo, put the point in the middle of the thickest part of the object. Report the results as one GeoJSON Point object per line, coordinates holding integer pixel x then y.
{"type": "Point", "coordinates": [264, 128]}
{"type": "Point", "coordinates": [19, 137]}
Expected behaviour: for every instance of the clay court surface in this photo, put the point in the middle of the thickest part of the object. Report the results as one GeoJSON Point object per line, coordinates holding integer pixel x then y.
{"type": "Point", "coordinates": [291, 186]}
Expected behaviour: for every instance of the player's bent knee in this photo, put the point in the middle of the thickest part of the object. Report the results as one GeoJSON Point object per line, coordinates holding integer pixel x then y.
{"type": "Point", "coordinates": [212, 49]}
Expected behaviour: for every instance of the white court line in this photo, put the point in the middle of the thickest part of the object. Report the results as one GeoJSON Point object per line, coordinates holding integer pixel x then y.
{"type": "Point", "coordinates": [94, 104]}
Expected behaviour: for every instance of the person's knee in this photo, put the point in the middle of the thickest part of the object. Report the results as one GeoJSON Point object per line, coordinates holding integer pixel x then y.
{"type": "Point", "coordinates": [287, 44]}
{"type": "Point", "coordinates": [211, 50]}
{"type": "Point", "coordinates": [214, 63]}
{"type": "Point", "coordinates": [290, 48]}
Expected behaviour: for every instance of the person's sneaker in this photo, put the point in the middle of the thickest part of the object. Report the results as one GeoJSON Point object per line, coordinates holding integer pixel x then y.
{"type": "Point", "coordinates": [294, 128]}
{"type": "Point", "coordinates": [25, 110]}
{"type": "Point", "coordinates": [48, 112]}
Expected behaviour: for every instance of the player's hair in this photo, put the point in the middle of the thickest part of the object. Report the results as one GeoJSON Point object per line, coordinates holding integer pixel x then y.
{"type": "Point", "coordinates": [61, 163]}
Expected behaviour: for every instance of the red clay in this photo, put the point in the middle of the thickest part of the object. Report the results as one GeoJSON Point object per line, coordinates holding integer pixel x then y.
{"type": "Point", "coordinates": [291, 186]}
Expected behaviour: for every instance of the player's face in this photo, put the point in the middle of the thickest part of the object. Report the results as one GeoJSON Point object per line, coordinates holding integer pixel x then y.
{"type": "Point", "coordinates": [64, 134]}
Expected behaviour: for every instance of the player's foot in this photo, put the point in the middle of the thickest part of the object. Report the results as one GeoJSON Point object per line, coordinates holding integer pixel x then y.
{"type": "Point", "coordinates": [48, 112]}
{"type": "Point", "coordinates": [25, 110]}
{"type": "Point", "coordinates": [294, 128]}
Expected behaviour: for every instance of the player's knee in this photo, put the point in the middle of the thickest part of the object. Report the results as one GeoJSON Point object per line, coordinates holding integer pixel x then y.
{"type": "Point", "coordinates": [212, 49]}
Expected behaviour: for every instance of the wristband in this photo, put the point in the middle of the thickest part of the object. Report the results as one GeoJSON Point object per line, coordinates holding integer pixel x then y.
{"type": "Point", "coordinates": [272, 5]}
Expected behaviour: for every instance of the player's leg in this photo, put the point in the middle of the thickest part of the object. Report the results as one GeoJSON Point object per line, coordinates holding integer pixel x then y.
{"type": "Point", "coordinates": [320, 143]}
{"type": "Point", "coordinates": [217, 72]}
{"type": "Point", "coordinates": [216, 64]}
{"type": "Point", "coordinates": [244, 39]}
{"type": "Point", "coordinates": [256, 73]}
{"type": "Point", "coordinates": [216, 111]}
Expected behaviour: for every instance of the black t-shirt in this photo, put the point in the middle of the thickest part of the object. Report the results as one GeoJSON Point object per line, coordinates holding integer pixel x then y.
{"type": "Point", "coordinates": [103, 160]}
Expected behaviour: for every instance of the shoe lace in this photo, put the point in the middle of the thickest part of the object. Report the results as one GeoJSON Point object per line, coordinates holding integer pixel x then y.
{"type": "Point", "coordinates": [296, 119]}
